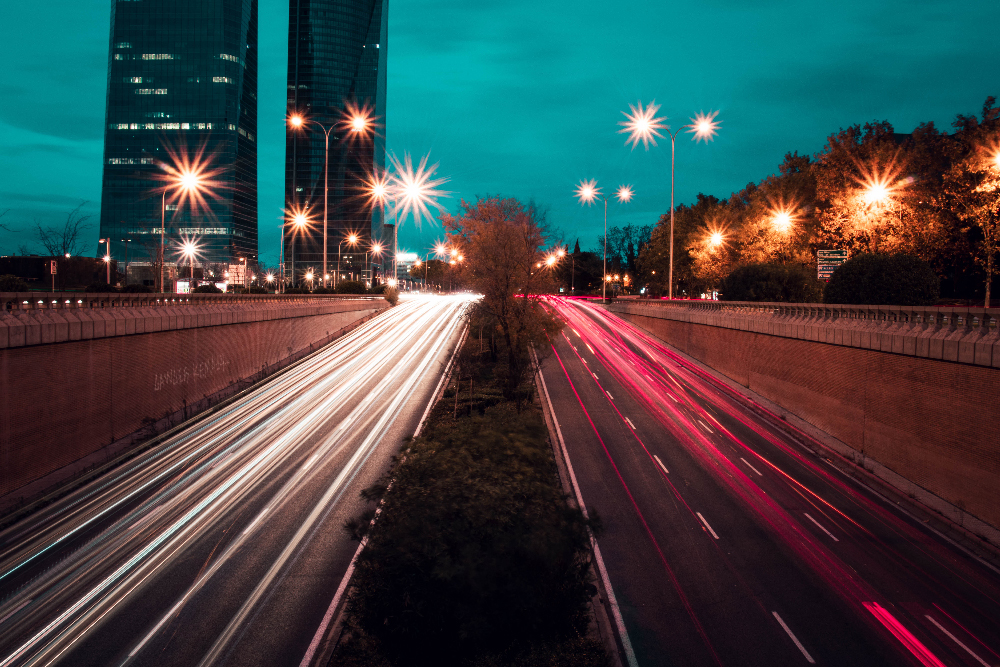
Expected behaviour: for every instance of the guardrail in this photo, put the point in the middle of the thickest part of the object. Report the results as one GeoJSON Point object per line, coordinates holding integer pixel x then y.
{"type": "Point", "coordinates": [966, 335]}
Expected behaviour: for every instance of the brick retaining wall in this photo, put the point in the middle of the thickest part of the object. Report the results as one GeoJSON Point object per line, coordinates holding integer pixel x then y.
{"type": "Point", "coordinates": [64, 401]}
{"type": "Point", "coordinates": [931, 420]}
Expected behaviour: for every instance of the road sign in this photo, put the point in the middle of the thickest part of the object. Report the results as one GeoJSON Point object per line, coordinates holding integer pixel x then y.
{"type": "Point", "coordinates": [827, 262]}
{"type": "Point", "coordinates": [52, 266]}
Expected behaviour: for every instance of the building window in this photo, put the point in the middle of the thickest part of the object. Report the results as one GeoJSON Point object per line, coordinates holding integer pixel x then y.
{"type": "Point", "coordinates": [194, 79]}
{"type": "Point", "coordinates": [130, 160]}
{"type": "Point", "coordinates": [226, 56]}
{"type": "Point", "coordinates": [222, 79]}
{"type": "Point", "coordinates": [123, 45]}
{"type": "Point", "coordinates": [157, 56]}
{"type": "Point", "coordinates": [136, 79]}
{"type": "Point", "coordinates": [150, 91]}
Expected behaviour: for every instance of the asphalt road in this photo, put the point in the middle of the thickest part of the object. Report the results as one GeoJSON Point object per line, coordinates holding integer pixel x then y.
{"type": "Point", "coordinates": [224, 545]}
{"type": "Point", "coordinates": [726, 542]}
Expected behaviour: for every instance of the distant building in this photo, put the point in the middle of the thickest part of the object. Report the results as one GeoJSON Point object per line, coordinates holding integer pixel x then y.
{"type": "Point", "coordinates": [336, 62]}
{"type": "Point", "coordinates": [182, 82]}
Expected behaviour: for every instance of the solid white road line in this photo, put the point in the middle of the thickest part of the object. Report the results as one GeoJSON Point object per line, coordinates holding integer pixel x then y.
{"type": "Point", "coordinates": [821, 527]}
{"type": "Point", "coordinates": [328, 616]}
{"type": "Point", "coordinates": [705, 426]}
{"type": "Point", "coordinates": [630, 423]}
{"type": "Point", "coordinates": [601, 570]}
{"type": "Point", "coordinates": [750, 466]}
{"type": "Point", "coordinates": [956, 640]}
{"type": "Point", "coordinates": [706, 525]}
{"type": "Point", "coordinates": [661, 464]}
{"type": "Point", "coordinates": [794, 639]}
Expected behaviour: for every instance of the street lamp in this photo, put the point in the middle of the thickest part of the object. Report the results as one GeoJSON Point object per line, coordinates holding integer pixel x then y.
{"type": "Point", "coordinates": [299, 220]}
{"type": "Point", "coordinates": [107, 256]}
{"type": "Point", "coordinates": [189, 249]}
{"type": "Point", "coordinates": [351, 240]}
{"type": "Point", "coordinates": [643, 125]}
{"type": "Point", "coordinates": [587, 192]}
{"type": "Point", "coordinates": [376, 249]}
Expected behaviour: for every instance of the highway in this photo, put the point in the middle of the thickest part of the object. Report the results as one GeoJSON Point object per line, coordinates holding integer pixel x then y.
{"type": "Point", "coordinates": [224, 544]}
{"type": "Point", "coordinates": [726, 541]}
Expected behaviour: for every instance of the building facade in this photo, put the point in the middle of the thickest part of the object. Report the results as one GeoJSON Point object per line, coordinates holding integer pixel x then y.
{"type": "Point", "coordinates": [336, 63]}
{"type": "Point", "coordinates": [182, 96]}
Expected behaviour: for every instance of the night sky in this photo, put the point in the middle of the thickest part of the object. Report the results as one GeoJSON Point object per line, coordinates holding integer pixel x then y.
{"type": "Point", "coordinates": [523, 97]}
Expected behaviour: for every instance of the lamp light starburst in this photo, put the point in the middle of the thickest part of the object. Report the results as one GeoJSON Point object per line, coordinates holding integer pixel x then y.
{"type": "Point", "coordinates": [624, 194]}
{"type": "Point", "coordinates": [642, 125]}
{"type": "Point", "coordinates": [587, 191]}
{"type": "Point", "coordinates": [416, 189]}
{"type": "Point", "coordinates": [704, 127]}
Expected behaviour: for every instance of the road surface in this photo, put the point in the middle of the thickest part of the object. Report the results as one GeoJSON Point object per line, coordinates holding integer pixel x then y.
{"type": "Point", "coordinates": [224, 545]}
{"type": "Point", "coordinates": [728, 543]}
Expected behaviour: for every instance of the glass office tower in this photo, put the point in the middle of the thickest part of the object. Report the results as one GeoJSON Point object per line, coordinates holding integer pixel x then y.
{"type": "Point", "coordinates": [336, 61]}
{"type": "Point", "coordinates": [182, 89]}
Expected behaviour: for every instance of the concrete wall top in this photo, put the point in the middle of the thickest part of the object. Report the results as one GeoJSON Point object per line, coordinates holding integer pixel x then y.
{"type": "Point", "coordinates": [963, 335]}
{"type": "Point", "coordinates": [39, 318]}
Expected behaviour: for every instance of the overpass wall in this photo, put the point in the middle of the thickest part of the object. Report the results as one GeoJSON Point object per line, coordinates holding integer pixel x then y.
{"type": "Point", "coordinates": [914, 393]}
{"type": "Point", "coordinates": [83, 378]}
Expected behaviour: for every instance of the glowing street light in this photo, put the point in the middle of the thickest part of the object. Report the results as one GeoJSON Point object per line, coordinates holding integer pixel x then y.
{"type": "Point", "coordinates": [715, 239]}
{"type": "Point", "coordinates": [643, 125]}
{"type": "Point", "coordinates": [587, 192]}
{"type": "Point", "coordinates": [375, 249]}
{"type": "Point", "coordinates": [351, 240]}
{"type": "Point", "coordinates": [107, 257]}
{"type": "Point", "coordinates": [189, 249]}
{"type": "Point", "coordinates": [191, 180]}
{"type": "Point", "coordinates": [299, 219]}
{"type": "Point", "coordinates": [782, 221]}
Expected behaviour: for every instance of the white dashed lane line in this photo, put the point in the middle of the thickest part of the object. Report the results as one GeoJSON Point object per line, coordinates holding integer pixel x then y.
{"type": "Point", "coordinates": [706, 525]}
{"type": "Point", "coordinates": [750, 466]}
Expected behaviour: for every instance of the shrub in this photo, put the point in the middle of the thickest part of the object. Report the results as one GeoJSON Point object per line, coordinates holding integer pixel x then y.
{"type": "Point", "coordinates": [297, 290]}
{"type": "Point", "coordinates": [391, 295]}
{"type": "Point", "coordinates": [135, 288]}
{"type": "Point", "coordinates": [100, 288]}
{"type": "Point", "coordinates": [882, 279]}
{"type": "Point", "coordinates": [11, 283]}
{"type": "Point", "coordinates": [257, 289]}
{"type": "Point", "coordinates": [378, 289]}
{"type": "Point", "coordinates": [207, 289]}
{"type": "Point", "coordinates": [323, 290]}
{"type": "Point", "coordinates": [351, 287]}
{"type": "Point", "coordinates": [791, 283]}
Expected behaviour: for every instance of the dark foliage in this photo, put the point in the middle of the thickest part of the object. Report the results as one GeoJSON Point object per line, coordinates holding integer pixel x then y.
{"type": "Point", "coordinates": [100, 288]}
{"type": "Point", "coordinates": [880, 279]}
{"type": "Point", "coordinates": [378, 289]}
{"type": "Point", "coordinates": [772, 282]}
{"type": "Point", "coordinates": [207, 289]}
{"type": "Point", "coordinates": [10, 283]}
{"type": "Point", "coordinates": [475, 558]}
{"type": "Point", "coordinates": [136, 288]}
{"type": "Point", "coordinates": [351, 287]}
{"type": "Point", "coordinates": [257, 289]}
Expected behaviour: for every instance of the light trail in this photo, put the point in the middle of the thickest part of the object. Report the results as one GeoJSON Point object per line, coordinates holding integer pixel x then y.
{"type": "Point", "coordinates": [679, 396]}
{"type": "Point", "coordinates": [115, 535]}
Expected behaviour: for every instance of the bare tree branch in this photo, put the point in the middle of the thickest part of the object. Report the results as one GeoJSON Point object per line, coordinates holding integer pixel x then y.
{"type": "Point", "coordinates": [66, 240]}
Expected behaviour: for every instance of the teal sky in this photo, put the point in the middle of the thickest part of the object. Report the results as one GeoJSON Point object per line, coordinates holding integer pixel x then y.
{"type": "Point", "coordinates": [522, 97]}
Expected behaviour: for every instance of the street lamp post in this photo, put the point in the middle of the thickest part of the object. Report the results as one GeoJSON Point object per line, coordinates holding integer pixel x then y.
{"type": "Point", "coordinates": [351, 240]}
{"type": "Point", "coordinates": [107, 257]}
{"type": "Point", "coordinates": [587, 192]}
{"type": "Point", "coordinates": [187, 180]}
{"type": "Point", "coordinates": [643, 125]}
{"type": "Point", "coordinates": [299, 220]}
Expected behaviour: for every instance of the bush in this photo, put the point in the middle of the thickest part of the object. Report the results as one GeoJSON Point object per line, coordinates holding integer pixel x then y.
{"type": "Point", "coordinates": [136, 288]}
{"type": "Point", "coordinates": [351, 287]}
{"type": "Point", "coordinates": [297, 290]}
{"type": "Point", "coordinates": [206, 289]}
{"type": "Point", "coordinates": [323, 290]}
{"type": "Point", "coordinates": [102, 288]}
{"type": "Point", "coordinates": [257, 289]}
{"type": "Point", "coordinates": [378, 289]}
{"type": "Point", "coordinates": [791, 283]}
{"type": "Point", "coordinates": [391, 295]}
{"type": "Point", "coordinates": [884, 280]}
{"type": "Point", "coordinates": [11, 283]}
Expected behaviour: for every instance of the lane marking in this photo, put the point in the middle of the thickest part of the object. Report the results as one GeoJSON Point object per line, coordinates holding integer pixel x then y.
{"type": "Point", "coordinates": [905, 637]}
{"type": "Point", "coordinates": [661, 464]}
{"type": "Point", "coordinates": [595, 377]}
{"type": "Point", "coordinates": [254, 522]}
{"type": "Point", "coordinates": [705, 426]}
{"type": "Point", "coordinates": [311, 461]}
{"type": "Point", "coordinates": [609, 394]}
{"type": "Point", "coordinates": [956, 640]}
{"type": "Point", "coordinates": [601, 569]}
{"type": "Point", "coordinates": [821, 527]}
{"type": "Point", "coordinates": [750, 466]}
{"type": "Point", "coordinates": [706, 525]}
{"type": "Point", "coordinates": [795, 639]}
{"type": "Point", "coordinates": [591, 349]}
{"type": "Point", "coordinates": [630, 423]}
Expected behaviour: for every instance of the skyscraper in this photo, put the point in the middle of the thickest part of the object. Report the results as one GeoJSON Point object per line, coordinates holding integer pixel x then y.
{"type": "Point", "coordinates": [336, 62]}
{"type": "Point", "coordinates": [182, 90]}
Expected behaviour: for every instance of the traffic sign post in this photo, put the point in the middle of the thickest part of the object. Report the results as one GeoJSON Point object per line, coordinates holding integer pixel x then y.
{"type": "Point", "coordinates": [827, 262]}
{"type": "Point", "coordinates": [53, 267]}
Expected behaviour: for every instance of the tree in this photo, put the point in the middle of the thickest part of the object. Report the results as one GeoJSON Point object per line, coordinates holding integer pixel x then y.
{"type": "Point", "coordinates": [883, 279]}
{"type": "Point", "coordinates": [435, 272]}
{"type": "Point", "coordinates": [501, 241]}
{"type": "Point", "coordinates": [790, 283]}
{"type": "Point", "coordinates": [66, 240]}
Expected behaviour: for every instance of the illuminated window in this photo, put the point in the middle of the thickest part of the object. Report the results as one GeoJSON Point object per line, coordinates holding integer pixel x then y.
{"type": "Point", "coordinates": [222, 79]}
{"type": "Point", "coordinates": [232, 127]}
{"type": "Point", "coordinates": [194, 79]}
{"type": "Point", "coordinates": [130, 160]}
{"type": "Point", "coordinates": [137, 79]}
{"type": "Point", "coordinates": [123, 45]}
{"type": "Point", "coordinates": [226, 56]}
{"type": "Point", "coordinates": [171, 207]}
{"type": "Point", "coordinates": [157, 56]}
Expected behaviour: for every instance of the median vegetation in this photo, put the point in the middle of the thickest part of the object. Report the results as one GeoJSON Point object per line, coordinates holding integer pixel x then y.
{"type": "Point", "coordinates": [476, 558]}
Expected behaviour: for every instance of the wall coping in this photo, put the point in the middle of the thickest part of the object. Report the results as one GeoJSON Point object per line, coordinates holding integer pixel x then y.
{"type": "Point", "coordinates": [957, 334]}
{"type": "Point", "coordinates": [33, 318]}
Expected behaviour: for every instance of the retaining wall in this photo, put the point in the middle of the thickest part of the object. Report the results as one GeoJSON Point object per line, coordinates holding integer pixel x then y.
{"type": "Point", "coordinates": [100, 375]}
{"type": "Point", "coordinates": [912, 389]}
